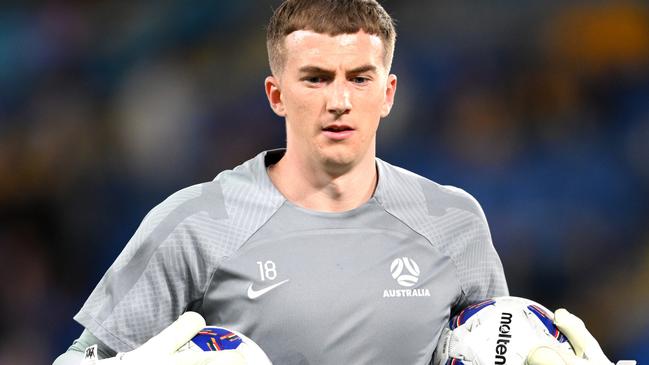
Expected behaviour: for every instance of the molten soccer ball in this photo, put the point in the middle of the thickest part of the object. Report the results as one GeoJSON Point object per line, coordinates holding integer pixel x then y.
{"type": "Point", "coordinates": [499, 331]}
{"type": "Point", "coordinates": [213, 338]}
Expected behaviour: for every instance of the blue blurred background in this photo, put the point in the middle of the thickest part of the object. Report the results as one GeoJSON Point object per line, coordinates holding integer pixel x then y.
{"type": "Point", "coordinates": [540, 109]}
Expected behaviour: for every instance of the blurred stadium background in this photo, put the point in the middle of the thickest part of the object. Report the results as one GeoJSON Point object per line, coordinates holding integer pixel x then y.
{"type": "Point", "coordinates": [540, 109]}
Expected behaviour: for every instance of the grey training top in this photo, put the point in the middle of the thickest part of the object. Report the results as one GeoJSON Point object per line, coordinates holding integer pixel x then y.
{"type": "Point", "coordinates": [373, 285]}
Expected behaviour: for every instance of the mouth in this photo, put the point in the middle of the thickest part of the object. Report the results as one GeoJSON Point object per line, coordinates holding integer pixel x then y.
{"type": "Point", "coordinates": [337, 128]}
{"type": "Point", "coordinates": [338, 131]}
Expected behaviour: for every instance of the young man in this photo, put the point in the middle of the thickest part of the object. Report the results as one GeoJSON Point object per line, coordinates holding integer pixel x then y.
{"type": "Point", "coordinates": [320, 253]}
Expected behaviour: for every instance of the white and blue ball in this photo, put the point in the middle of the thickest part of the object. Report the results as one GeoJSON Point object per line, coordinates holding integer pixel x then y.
{"type": "Point", "coordinates": [498, 331]}
{"type": "Point", "coordinates": [212, 338]}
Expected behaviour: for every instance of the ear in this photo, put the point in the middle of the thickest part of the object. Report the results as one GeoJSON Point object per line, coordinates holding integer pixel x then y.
{"type": "Point", "coordinates": [390, 90]}
{"type": "Point", "coordinates": [274, 95]}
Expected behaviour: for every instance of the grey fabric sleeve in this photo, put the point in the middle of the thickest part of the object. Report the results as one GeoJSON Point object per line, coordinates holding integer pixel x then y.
{"type": "Point", "coordinates": [161, 270]}
{"type": "Point", "coordinates": [467, 240]}
{"type": "Point", "coordinates": [166, 267]}
{"type": "Point", "coordinates": [454, 222]}
{"type": "Point", "coordinates": [479, 264]}
{"type": "Point", "coordinates": [75, 352]}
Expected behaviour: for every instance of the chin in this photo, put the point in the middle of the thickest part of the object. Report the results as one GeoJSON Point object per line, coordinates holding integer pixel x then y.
{"type": "Point", "coordinates": [342, 156]}
{"type": "Point", "coordinates": [339, 162]}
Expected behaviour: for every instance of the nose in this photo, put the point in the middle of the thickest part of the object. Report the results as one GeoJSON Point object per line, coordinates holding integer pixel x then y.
{"type": "Point", "coordinates": [339, 101]}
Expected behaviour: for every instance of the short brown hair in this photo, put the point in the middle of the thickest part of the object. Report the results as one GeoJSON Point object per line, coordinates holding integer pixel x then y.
{"type": "Point", "coordinates": [332, 17]}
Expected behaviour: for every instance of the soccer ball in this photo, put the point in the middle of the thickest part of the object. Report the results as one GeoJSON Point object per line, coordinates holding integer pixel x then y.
{"type": "Point", "coordinates": [213, 338]}
{"type": "Point", "coordinates": [499, 331]}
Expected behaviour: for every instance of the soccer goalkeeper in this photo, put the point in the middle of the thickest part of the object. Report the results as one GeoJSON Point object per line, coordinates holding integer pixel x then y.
{"type": "Point", "coordinates": [320, 252]}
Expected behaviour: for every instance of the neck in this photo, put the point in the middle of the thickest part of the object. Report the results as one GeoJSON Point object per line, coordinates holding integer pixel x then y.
{"type": "Point", "coordinates": [315, 187]}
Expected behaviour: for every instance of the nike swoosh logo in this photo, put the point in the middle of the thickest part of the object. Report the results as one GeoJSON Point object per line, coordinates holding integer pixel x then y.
{"type": "Point", "coordinates": [254, 294]}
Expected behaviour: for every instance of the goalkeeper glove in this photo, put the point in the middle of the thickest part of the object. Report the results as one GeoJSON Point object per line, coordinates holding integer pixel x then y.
{"type": "Point", "coordinates": [586, 349]}
{"type": "Point", "coordinates": [161, 349]}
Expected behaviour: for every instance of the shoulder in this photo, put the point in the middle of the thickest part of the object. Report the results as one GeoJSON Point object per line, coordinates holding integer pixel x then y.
{"type": "Point", "coordinates": [404, 189]}
{"type": "Point", "coordinates": [205, 198]}
{"type": "Point", "coordinates": [245, 186]}
{"type": "Point", "coordinates": [197, 198]}
{"type": "Point", "coordinates": [452, 221]}
{"type": "Point", "coordinates": [217, 214]}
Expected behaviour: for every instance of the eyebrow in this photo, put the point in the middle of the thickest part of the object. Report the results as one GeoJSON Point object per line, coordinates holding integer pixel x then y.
{"type": "Point", "coordinates": [354, 71]}
{"type": "Point", "coordinates": [362, 69]}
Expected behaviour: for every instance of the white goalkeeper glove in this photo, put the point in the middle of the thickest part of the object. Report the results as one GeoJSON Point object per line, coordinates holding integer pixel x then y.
{"type": "Point", "coordinates": [161, 349]}
{"type": "Point", "coordinates": [586, 349]}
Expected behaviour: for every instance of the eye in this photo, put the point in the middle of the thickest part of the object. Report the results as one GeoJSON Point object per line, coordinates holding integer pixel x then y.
{"type": "Point", "coordinates": [314, 79]}
{"type": "Point", "coordinates": [360, 80]}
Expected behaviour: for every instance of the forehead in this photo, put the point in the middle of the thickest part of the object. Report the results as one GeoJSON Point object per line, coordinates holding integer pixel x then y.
{"type": "Point", "coordinates": [304, 47]}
